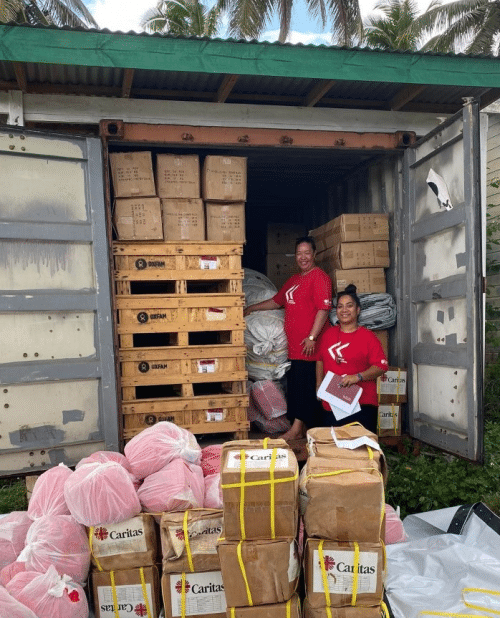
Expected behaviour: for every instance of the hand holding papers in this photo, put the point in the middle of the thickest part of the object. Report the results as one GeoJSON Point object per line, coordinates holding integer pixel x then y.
{"type": "Point", "coordinates": [343, 400]}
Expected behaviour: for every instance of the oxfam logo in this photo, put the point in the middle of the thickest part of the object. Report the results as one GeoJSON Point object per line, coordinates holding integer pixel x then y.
{"type": "Point", "coordinates": [142, 317]}
{"type": "Point", "coordinates": [143, 367]}
{"type": "Point", "coordinates": [141, 264]}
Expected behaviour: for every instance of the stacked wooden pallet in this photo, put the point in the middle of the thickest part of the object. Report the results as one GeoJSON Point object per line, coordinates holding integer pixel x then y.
{"type": "Point", "coordinates": [180, 327]}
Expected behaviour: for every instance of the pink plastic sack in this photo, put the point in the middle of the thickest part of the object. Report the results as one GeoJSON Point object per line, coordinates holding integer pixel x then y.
{"type": "Point", "coordinates": [59, 541]}
{"type": "Point", "coordinates": [13, 530]}
{"type": "Point", "coordinates": [49, 595]}
{"type": "Point", "coordinates": [19, 581]}
{"type": "Point", "coordinates": [101, 493]}
{"type": "Point", "coordinates": [11, 608]}
{"type": "Point", "coordinates": [272, 426]}
{"type": "Point", "coordinates": [394, 531]}
{"type": "Point", "coordinates": [48, 494]}
{"type": "Point", "coordinates": [213, 492]}
{"type": "Point", "coordinates": [9, 571]}
{"type": "Point", "coordinates": [269, 398]}
{"type": "Point", "coordinates": [210, 459]}
{"type": "Point", "coordinates": [104, 457]}
{"type": "Point", "coordinates": [177, 487]}
{"type": "Point", "coordinates": [155, 447]}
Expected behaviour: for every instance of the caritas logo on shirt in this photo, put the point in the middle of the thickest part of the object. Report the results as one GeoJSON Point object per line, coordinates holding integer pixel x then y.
{"type": "Point", "coordinates": [289, 294]}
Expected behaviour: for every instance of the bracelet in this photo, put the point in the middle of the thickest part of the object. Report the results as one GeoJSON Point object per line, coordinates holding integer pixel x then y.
{"type": "Point", "coordinates": [360, 377]}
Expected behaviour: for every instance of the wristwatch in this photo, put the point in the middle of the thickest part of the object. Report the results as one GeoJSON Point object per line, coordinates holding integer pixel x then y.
{"type": "Point", "coordinates": [311, 338]}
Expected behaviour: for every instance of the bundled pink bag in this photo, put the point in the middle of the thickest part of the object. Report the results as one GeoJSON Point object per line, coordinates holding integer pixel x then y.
{"type": "Point", "coordinates": [13, 530]}
{"type": "Point", "coordinates": [104, 457]}
{"type": "Point", "coordinates": [272, 426]}
{"type": "Point", "coordinates": [49, 595]}
{"type": "Point", "coordinates": [155, 447]}
{"type": "Point", "coordinates": [394, 531]}
{"type": "Point", "coordinates": [9, 571]}
{"type": "Point", "coordinates": [210, 459]}
{"type": "Point", "coordinates": [269, 398]}
{"type": "Point", "coordinates": [11, 608]}
{"type": "Point", "coordinates": [48, 494]}
{"type": "Point", "coordinates": [19, 581]}
{"type": "Point", "coordinates": [101, 493]}
{"type": "Point", "coordinates": [177, 487]}
{"type": "Point", "coordinates": [59, 541]}
{"type": "Point", "coordinates": [213, 492]}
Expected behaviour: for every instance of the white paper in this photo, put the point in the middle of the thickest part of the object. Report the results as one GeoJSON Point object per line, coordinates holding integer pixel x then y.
{"type": "Point", "coordinates": [335, 403]}
{"type": "Point", "coordinates": [355, 443]}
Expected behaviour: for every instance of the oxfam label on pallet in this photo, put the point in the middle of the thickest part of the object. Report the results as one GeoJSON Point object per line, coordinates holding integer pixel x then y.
{"type": "Point", "coordinates": [194, 594]}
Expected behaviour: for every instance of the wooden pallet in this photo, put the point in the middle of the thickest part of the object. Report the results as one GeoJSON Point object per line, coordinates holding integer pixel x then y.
{"type": "Point", "coordinates": [179, 268]}
{"type": "Point", "coordinates": [200, 415]}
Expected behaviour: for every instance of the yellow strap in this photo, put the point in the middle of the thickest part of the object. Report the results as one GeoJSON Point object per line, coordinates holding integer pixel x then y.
{"type": "Point", "coordinates": [384, 555]}
{"type": "Point", "coordinates": [265, 443]}
{"type": "Point", "coordinates": [451, 614]}
{"type": "Point", "coordinates": [324, 577]}
{"type": "Point", "coordinates": [183, 595]}
{"type": "Point", "coordinates": [242, 494]}
{"type": "Point", "coordinates": [113, 592]}
{"type": "Point", "coordinates": [397, 387]}
{"type": "Point", "coordinates": [233, 612]}
{"type": "Point", "coordinates": [272, 492]}
{"type": "Point", "coordinates": [288, 611]}
{"type": "Point", "coordinates": [244, 574]}
{"type": "Point", "coordinates": [482, 591]}
{"type": "Point", "coordinates": [91, 545]}
{"type": "Point", "coordinates": [260, 483]}
{"type": "Point", "coordinates": [385, 610]}
{"type": "Point", "coordinates": [394, 420]}
{"type": "Point", "coordinates": [145, 593]}
{"type": "Point", "coordinates": [355, 575]}
{"type": "Point", "coordinates": [370, 451]}
{"type": "Point", "coordinates": [186, 541]}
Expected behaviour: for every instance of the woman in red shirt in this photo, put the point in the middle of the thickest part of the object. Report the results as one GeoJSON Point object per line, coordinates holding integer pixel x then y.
{"type": "Point", "coordinates": [354, 352]}
{"type": "Point", "coordinates": [307, 299]}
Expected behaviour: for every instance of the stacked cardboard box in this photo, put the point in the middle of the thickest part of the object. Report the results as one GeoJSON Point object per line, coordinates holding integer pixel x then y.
{"type": "Point", "coordinates": [344, 556]}
{"type": "Point", "coordinates": [258, 552]}
{"type": "Point", "coordinates": [391, 390]}
{"type": "Point", "coordinates": [125, 579]}
{"type": "Point", "coordinates": [191, 581]}
{"type": "Point", "coordinates": [280, 246]}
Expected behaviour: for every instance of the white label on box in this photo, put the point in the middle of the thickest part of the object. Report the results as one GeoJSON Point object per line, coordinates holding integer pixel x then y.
{"type": "Point", "coordinates": [392, 383]}
{"type": "Point", "coordinates": [203, 535]}
{"type": "Point", "coordinates": [207, 366]}
{"type": "Point", "coordinates": [215, 314]}
{"type": "Point", "coordinates": [293, 563]}
{"type": "Point", "coordinates": [216, 415]}
{"type": "Point", "coordinates": [204, 594]}
{"type": "Point", "coordinates": [388, 416]}
{"type": "Point", "coordinates": [130, 601]}
{"type": "Point", "coordinates": [209, 262]}
{"type": "Point", "coordinates": [258, 459]}
{"type": "Point", "coordinates": [339, 566]}
{"type": "Point", "coordinates": [124, 538]}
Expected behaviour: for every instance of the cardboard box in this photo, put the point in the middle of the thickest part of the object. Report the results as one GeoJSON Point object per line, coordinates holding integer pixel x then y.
{"type": "Point", "coordinates": [351, 492]}
{"type": "Point", "coordinates": [341, 612]}
{"type": "Point", "coordinates": [225, 221]}
{"type": "Point", "coordinates": [271, 571]}
{"type": "Point", "coordinates": [183, 219]}
{"type": "Point", "coordinates": [138, 218]}
{"type": "Point", "coordinates": [389, 419]}
{"type": "Point", "coordinates": [347, 255]}
{"type": "Point", "coordinates": [392, 386]}
{"type": "Point", "coordinates": [351, 228]}
{"type": "Point", "coordinates": [178, 176]}
{"type": "Point", "coordinates": [280, 268]}
{"type": "Point", "coordinates": [383, 337]}
{"type": "Point", "coordinates": [256, 508]}
{"type": "Point", "coordinates": [204, 595]}
{"type": "Point", "coordinates": [224, 179]}
{"type": "Point", "coordinates": [204, 528]}
{"type": "Point", "coordinates": [366, 280]}
{"type": "Point", "coordinates": [290, 609]}
{"type": "Point", "coordinates": [127, 545]}
{"type": "Point", "coordinates": [129, 593]}
{"type": "Point", "coordinates": [338, 562]}
{"type": "Point", "coordinates": [281, 237]}
{"type": "Point", "coordinates": [132, 174]}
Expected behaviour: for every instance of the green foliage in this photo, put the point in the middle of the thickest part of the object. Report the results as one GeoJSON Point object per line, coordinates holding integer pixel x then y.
{"type": "Point", "coordinates": [492, 392]}
{"type": "Point", "coordinates": [12, 495]}
{"type": "Point", "coordinates": [47, 12]}
{"type": "Point", "coordinates": [393, 30]}
{"type": "Point", "coordinates": [182, 18]}
{"type": "Point", "coordinates": [492, 268]}
{"type": "Point", "coordinates": [434, 480]}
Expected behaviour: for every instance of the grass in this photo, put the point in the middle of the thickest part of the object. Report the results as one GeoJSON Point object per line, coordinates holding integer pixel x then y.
{"type": "Point", "coordinates": [12, 495]}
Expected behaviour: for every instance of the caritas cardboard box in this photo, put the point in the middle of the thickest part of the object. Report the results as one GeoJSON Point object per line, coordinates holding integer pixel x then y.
{"type": "Point", "coordinates": [281, 237]}
{"type": "Point", "coordinates": [347, 255]}
{"type": "Point", "coordinates": [338, 563]}
{"type": "Point", "coordinates": [183, 219]}
{"type": "Point", "coordinates": [341, 612]}
{"type": "Point", "coordinates": [351, 228]}
{"type": "Point", "coordinates": [178, 176]}
{"type": "Point", "coordinates": [204, 527]}
{"type": "Point", "coordinates": [389, 419]}
{"type": "Point", "coordinates": [260, 572]}
{"type": "Point", "coordinates": [225, 221]}
{"type": "Point", "coordinates": [129, 544]}
{"type": "Point", "coordinates": [202, 595]}
{"type": "Point", "coordinates": [129, 591]}
{"type": "Point", "coordinates": [132, 174]}
{"type": "Point", "coordinates": [257, 463]}
{"type": "Point", "coordinates": [392, 386]}
{"type": "Point", "coordinates": [138, 218]}
{"type": "Point", "coordinates": [224, 179]}
{"type": "Point", "coordinates": [366, 280]}
{"type": "Point", "coordinates": [290, 609]}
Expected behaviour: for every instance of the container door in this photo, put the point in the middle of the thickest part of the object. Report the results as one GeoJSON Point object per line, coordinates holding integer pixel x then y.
{"type": "Point", "coordinates": [442, 282]}
{"type": "Point", "coordinates": [57, 375]}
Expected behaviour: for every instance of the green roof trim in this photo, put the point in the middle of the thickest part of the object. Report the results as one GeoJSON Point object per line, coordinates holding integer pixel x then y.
{"type": "Point", "coordinates": [163, 53]}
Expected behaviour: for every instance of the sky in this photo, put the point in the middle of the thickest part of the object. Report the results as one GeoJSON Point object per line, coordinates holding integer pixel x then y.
{"type": "Point", "coordinates": [125, 15]}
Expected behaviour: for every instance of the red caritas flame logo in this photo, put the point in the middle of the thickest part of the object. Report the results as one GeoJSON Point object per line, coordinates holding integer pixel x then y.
{"type": "Point", "coordinates": [383, 378]}
{"type": "Point", "coordinates": [74, 596]}
{"type": "Point", "coordinates": [101, 534]}
{"type": "Point", "coordinates": [178, 586]}
{"type": "Point", "coordinates": [179, 533]}
{"type": "Point", "coordinates": [329, 563]}
{"type": "Point", "coordinates": [141, 610]}
{"type": "Point", "coordinates": [238, 456]}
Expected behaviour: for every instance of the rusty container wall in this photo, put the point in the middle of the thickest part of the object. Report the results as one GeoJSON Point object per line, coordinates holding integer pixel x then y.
{"type": "Point", "coordinates": [57, 376]}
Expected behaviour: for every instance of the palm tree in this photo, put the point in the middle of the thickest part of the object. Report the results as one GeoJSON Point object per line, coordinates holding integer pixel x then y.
{"type": "Point", "coordinates": [182, 17]}
{"type": "Point", "coordinates": [48, 12]}
{"type": "Point", "coordinates": [470, 26]}
{"type": "Point", "coordinates": [393, 30]}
